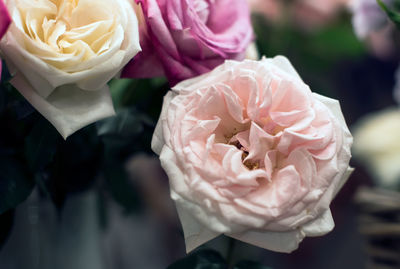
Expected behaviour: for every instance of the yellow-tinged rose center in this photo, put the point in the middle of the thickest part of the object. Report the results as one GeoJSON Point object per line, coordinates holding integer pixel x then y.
{"type": "Point", "coordinates": [66, 32]}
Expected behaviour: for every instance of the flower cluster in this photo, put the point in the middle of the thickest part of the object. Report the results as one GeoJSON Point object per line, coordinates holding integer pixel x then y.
{"type": "Point", "coordinates": [249, 150]}
{"type": "Point", "coordinates": [62, 53]}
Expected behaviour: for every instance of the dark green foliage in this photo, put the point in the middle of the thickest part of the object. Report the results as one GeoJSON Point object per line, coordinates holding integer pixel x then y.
{"type": "Point", "coordinates": [250, 265]}
{"type": "Point", "coordinates": [128, 132]}
{"type": "Point", "coordinates": [15, 184]}
{"type": "Point", "coordinates": [314, 54]}
{"type": "Point", "coordinates": [6, 222]}
{"type": "Point", "coordinates": [16, 181]}
{"type": "Point", "coordinates": [211, 259]}
{"type": "Point", "coordinates": [41, 145]}
{"type": "Point", "coordinates": [75, 166]}
{"type": "Point", "coordinates": [138, 104]}
{"type": "Point", "coordinates": [201, 259]}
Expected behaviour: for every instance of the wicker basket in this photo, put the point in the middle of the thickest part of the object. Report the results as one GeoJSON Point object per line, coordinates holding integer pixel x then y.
{"type": "Point", "coordinates": [379, 222]}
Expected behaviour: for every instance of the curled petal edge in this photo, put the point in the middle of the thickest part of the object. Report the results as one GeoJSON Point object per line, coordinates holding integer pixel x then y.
{"type": "Point", "coordinates": [68, 108]}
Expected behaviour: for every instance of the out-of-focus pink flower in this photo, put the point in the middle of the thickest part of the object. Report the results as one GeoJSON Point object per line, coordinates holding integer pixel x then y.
{"type": "Point", "coordinates": [252, 153]}
{"type": "Point", "coordinates": [306, 14]}
{"type": "Point", "coordinates": [382, 44]}
{"type": "Point", "coordinates": [185, 38]}
{"type": "Point", "coordinates": [368, 17]}
{"type": "Point", "coordinates": [315, 13]}
{"type": "Point", "coordinates": [327, 7]}
{"type": "Point", "coordinates": [5, 21]}
{"type": "Point", "coordinates": [270, 9]}
{"type": "Point", "coordinates": [372, 25]}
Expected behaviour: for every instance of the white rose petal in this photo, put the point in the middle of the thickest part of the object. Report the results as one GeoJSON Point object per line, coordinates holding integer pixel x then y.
{"type": "Point", "coordinates": [82, 44]}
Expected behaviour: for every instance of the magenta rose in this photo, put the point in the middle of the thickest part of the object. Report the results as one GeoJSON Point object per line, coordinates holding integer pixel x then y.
{"type": "Point", "coordinates": [184, 38]}
{"type": "Point", "coordinates": [5, 21]}
{"type": "Point", "coordinates": [252, 153]}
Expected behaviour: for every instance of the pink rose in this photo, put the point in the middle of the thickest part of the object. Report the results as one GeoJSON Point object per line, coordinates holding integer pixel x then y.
{"type": "Point", "coordinates": [5, 21]}
{"type": "Point", "coordinates": [185, 38]}
{"type": "Point", "coordinates": [252, 153]}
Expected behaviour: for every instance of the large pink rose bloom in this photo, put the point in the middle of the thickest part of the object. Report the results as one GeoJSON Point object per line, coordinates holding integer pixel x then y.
{"type": "Point", "coordinates": [252, 153]}
{"type": "Point", "coordinates": [185, 38]}
{"type": "Point", "coordinates": [5, 21]}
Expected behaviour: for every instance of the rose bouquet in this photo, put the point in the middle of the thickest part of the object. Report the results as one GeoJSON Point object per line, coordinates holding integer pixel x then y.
{"type": "Point", "coordinates": [249, 151]}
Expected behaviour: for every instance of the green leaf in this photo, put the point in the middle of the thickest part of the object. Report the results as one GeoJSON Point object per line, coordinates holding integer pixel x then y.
{"type": "Point", "coordinates": [75, 165]}
{"type": "Point", "coordinates": [145, 94]}
{"type": "Point", "coordinates": [201, 259]}
{"type": "Point", "coordinates": [250, 265]}
{"type": "Point", "coordinates": [127, 92]}
{"type": "Point", "coordinates": [128, 132]}
{"type": "Point", "coordinates": [15, 185]}
{"type": "Point", "coordinates": [127, 123]}
{"type": "Point", "coordinates": [393, 14]}
{"type": "Point", "coordinates": [120, 186]}
{"type": "Point", "coordinates": [41, 145]}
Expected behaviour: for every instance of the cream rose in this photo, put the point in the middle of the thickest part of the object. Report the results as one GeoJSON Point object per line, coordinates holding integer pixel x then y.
{"type": "Point", "coordinates": [63, 52]}
{"type": "Point", "coordinates": [377, 144]}
{"type": "Point", "coordinates": [252, 153]}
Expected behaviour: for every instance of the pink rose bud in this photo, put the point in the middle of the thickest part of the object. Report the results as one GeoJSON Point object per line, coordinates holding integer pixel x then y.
{"type": "Point", "coordinates": [182, 39]}
{"type": "Point", "coordinates": [252, 153]}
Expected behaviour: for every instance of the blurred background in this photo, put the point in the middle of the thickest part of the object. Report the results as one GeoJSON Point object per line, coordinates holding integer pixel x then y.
{"type": "Point", "coordinates": [101, 199]}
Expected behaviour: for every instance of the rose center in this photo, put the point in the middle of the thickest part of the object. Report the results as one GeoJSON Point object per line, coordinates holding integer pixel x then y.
{"type": "Point", "coordinates": [78, 29]}
{"type": "Point", "coordinates": [250, 164]}
{"type": "Point", "coordinates": [202, 9]}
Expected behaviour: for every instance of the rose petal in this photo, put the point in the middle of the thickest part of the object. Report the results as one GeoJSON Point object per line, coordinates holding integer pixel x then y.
{"type": "Point", "coordinates": [68, 108]}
